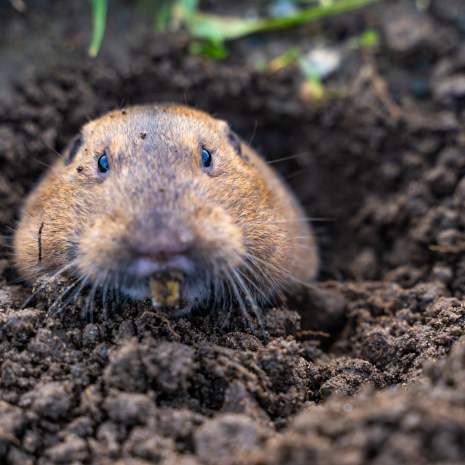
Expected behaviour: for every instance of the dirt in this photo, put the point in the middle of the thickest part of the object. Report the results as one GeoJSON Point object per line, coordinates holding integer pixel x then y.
{"type": "Point", "coordinates": [365, 366]}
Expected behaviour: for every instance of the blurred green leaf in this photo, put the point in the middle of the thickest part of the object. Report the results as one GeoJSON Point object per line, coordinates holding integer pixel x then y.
{"type": "Point", "coordinates": [163, 14]}
{"type": "Point", "coordinates": [173, 13]}
{"type": "Point", "coordinates": [99, 18]}
{"type": "Point", "coordinates": [219, 28]}
{"type": "Point", "coordinates": [284, 60]}
{"type": "Point", "coordinates": [210, 49]}
{"type": "Point", "coordinates": [370, 38]}
{"type": "Point", "coordinates": [186, 8]}
{"type": "Point", "coordinates": [316, 90]}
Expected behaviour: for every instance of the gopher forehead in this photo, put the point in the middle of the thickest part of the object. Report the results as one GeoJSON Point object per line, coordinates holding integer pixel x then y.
{"type": "Point", "coordinates": [141, 121]}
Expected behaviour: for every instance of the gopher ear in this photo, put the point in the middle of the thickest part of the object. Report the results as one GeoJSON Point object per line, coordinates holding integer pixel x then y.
{"type": "Point", "coordinates": [234, 140]}
{"type": "Point", "coordinates": [237, 145]}
{"type": "Point", "coordinates": [72, 149]}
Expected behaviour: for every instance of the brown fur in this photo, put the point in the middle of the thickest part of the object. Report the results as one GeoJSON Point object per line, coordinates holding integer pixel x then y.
{"type": "Point", "coordinates": [240, 207]}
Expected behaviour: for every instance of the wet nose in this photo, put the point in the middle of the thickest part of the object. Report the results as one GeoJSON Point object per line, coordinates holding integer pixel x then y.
{"type": "Point", "coordinates": [163, 245]}
{"type": "Point", "coordinates": [161, 249]}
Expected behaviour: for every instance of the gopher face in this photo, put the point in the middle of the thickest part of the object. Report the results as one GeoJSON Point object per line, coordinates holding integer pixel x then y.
{"type": "Point", "coordinates": [149, 196]}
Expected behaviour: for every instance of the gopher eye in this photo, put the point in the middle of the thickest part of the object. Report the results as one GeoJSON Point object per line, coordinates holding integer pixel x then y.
{"type": "Point", "coordinates": [205, 158]}
{"type": "Point", "coordinates": [103, 163]}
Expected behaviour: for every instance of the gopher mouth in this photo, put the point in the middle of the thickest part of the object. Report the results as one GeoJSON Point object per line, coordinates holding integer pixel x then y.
{"type": "Point", "coordinates": [166, 290]}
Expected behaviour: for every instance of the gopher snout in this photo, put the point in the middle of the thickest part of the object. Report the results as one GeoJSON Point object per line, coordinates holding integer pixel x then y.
{"type": "Point", "coordinates": [158, 245]}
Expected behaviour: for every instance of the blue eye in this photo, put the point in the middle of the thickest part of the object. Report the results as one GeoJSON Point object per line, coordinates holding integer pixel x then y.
{"type": "Point", "coordinates": [206, 158]}
{"type": "Point", "coordinates": [103, 163]}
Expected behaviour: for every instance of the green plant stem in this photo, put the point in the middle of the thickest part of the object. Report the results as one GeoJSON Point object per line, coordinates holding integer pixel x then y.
{"type": "Point", "coordinates": [99, 18]}
{"type": "Point", "coordinates": [219, 28]}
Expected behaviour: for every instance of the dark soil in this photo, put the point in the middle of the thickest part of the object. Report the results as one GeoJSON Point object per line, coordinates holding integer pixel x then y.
{"type": "Point", "coordinates": [367, 366]}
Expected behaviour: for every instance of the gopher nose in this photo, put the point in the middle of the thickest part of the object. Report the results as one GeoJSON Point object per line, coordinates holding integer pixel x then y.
{"type": "Point", "coordinates": [163, 245]}
{"type": "Point", "coordinates": [164, 250]}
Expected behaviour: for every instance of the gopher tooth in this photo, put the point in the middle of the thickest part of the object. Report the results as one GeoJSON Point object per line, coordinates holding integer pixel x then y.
{"type": "Point", "coordinates": [165, 293]}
